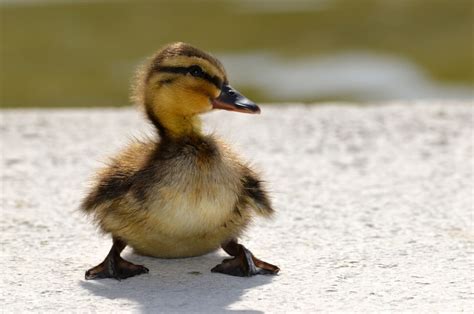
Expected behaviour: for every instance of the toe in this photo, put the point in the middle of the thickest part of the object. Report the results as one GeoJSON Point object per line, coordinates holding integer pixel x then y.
{"type": "Point", "coordinates": [229, 267]}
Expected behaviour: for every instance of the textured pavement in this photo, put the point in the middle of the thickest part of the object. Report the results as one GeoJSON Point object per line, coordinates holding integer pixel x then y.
{"type": "Point", "coordinates": [375, 212]}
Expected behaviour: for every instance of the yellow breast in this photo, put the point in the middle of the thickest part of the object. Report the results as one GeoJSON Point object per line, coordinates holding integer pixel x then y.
{"type": "Point", "coordinates": [191, 212]}
{"type": "Point", "coordinates": [192, 209]}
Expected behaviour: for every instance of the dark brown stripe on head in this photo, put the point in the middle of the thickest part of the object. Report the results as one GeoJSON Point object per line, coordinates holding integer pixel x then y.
{"type": "Point", "coordinates": [194, 70]}
{"type": "Point", "coordinates": [181, 49]}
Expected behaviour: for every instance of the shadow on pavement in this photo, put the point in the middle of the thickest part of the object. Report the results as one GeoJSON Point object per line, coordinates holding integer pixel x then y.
{"type": "Point", "coordinates": [178, 285]}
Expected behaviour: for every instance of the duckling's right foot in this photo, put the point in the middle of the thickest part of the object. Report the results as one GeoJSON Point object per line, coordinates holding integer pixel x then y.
{"type": "Point", "coordinates": [115, 266]}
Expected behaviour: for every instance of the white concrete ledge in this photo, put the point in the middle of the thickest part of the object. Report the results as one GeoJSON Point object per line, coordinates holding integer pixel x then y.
{"type": "Point", "coordinates": [374, 212]}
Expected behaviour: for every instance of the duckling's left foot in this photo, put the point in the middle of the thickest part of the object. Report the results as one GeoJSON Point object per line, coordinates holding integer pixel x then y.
{"type": "Point", "coordinates": [115, 266]}
{"type": "Point", "coordinates": [244, 264]}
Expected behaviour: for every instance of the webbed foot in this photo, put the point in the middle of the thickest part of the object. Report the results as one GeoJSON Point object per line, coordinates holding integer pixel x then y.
{"type": "Point", "coordinates": [244, 264]}
{"type": "Point", "coordinates": [115, 266]}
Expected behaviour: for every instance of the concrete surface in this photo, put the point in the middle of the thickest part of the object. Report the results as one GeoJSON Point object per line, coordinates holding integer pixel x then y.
{"type": "Point", "coordinates": [374, 205]}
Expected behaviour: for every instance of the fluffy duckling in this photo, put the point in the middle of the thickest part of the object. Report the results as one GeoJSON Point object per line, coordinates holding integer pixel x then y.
{"type": "Point", "coordinates": [184, 193]}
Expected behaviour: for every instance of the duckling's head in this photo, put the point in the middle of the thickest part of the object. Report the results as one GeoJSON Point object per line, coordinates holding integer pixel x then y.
{"type": "Point", "coordinates": [180, 82]}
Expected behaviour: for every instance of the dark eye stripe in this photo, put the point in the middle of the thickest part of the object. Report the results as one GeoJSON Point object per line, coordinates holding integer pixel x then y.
{"type": "Point", "coordinates": [185, 70]}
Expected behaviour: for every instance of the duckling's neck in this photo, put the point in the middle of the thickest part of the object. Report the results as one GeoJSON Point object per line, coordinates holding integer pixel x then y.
{"type": "Point", "coordinates": [175, 126]}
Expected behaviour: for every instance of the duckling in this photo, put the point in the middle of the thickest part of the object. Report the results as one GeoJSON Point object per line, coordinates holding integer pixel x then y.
{"type": "Point", "coordinates": [184, 193]}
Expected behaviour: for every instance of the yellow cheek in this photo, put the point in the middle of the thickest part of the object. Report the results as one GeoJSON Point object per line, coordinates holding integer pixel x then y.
{"type": "Point", "coordinates": [197, 95]}
{"type": "Point", "coordinates": [214, 92]}
{"type": "Point", "coordinates": [195, 102]}
{"type": "Point", "coordinates": [185, 96]}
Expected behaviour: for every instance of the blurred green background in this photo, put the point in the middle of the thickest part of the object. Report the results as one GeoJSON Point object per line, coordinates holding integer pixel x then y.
{"type": "Point", "coordinates": [84, 53]}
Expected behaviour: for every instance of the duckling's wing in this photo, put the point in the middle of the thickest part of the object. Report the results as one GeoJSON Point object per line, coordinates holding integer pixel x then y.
{"type": "Point", "coordinates": [127, 172]}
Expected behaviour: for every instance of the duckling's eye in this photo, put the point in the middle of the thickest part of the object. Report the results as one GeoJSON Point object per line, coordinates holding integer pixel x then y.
{"type": "Point", "coordinates": [196, 71]}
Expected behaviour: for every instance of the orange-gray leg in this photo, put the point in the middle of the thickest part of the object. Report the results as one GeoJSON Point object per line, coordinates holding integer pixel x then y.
{"type": "Point", "coordinates": [243, 263]}
{"type": "Point", "coordinates": [114, 266]}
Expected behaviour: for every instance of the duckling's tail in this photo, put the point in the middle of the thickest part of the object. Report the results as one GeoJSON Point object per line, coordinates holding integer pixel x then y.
{"type": "Point", "coordinates": [256, 196]}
